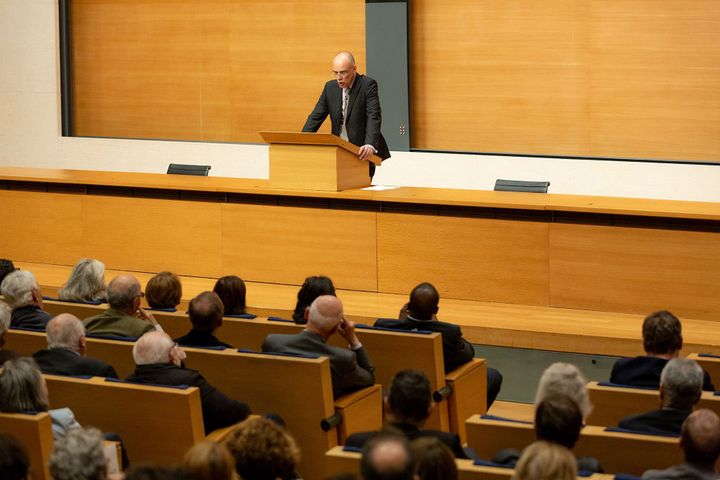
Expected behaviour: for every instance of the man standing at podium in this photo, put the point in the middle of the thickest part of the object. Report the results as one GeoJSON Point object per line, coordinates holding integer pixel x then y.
{"type": "Point", "coordinates": [354, 107]}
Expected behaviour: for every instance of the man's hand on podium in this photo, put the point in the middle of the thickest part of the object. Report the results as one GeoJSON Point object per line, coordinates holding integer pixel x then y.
{"type": "Point", "coordinates": [366, 151]}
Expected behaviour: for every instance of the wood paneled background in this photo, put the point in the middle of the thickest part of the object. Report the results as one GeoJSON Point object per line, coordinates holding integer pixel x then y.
{"type": "Point", "coordinates": [621, 78]}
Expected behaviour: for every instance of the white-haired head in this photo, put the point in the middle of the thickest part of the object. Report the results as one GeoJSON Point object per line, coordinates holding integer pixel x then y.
{"type": "Point", "coordinates": [66, 331]}
{"type": "Point", "coordinates": [564, 379]}
{"type": "Point", "coordinates": [153, 347]}
{"type": "Point", "coordinates": [20, 289]}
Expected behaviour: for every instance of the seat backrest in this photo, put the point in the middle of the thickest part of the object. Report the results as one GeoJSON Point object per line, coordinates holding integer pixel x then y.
{"type": "Point", "coordinates": [616, 451]}
{"type": "Point", "coordinates": [711, 364]}
{"type": "Point", "coordinates": [34, 432]}
{"type": "Point", "coordinates": [157, 424]}
{"type": "Point", "coordinates": [183, 169]}
{"type": "Point", "coordinates": [521, 186]}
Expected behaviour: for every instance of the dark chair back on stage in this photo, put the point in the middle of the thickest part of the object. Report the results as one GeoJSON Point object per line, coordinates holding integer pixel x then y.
{"type": "Point", "coordinates": [521, 186]}
{"type": "Point", "coordinates": [181, 169]}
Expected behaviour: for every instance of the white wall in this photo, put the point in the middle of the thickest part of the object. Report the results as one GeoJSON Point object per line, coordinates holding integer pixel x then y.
{"type": "Point", "coordinates": [30, 136]}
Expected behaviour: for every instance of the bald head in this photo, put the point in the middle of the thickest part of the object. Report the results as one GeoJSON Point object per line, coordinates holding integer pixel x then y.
{"type": "Point", "coordinates": [153, 347]}
{"type": "Point", "coordinates": [387, 458]}
{"type": "Point", "coordinates": [701, 438]}
{"type": "Point", "coordinates": [123, 293]}
{"type": "Point", "coordinates": [325, 314]}
{"type": "Point", "coordinates": [66, 331]}
{"type": "Point", "coordinates": [424, 301]}
{"type": "Point", "coordinates": [344, 69]}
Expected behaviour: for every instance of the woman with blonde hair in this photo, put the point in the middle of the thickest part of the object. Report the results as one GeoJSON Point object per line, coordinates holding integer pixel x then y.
{"type": "Point", "coordinates": [86, 283]}
{"type": "Point", "coordinates": [546, 461]}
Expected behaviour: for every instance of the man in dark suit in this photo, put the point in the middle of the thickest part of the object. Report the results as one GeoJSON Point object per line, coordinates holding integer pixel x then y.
{"type": "Point", "coordinates": [353, 104]}
{"type": "Point", "coordinates": [351, 369]}
{"type": "Point", "coordinates": [407, 407]}
{"type": "Point", "coordinates": [420, 314]}
{"type": "Point", "coordinates": [662, 340]}
{"type": "Point", "coordinates": [65, 354]}
{"type": "Point", "coordinates": [206, 314]}
{"type": "Point", "coordinates": [159, 362]}
{"type": "Point", "coordinates": [680, 389]}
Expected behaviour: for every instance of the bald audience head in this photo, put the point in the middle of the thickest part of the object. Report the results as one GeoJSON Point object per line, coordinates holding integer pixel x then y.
{"type": "Point", "coordinates": [206, 312]}
{"type": "Point", "coordinates": [66, 331]}
{"type": "Point", "coordinates": [387, 457]}
{"type": "Point", "coordinates": [700, 438]}
{"type": "Point", "coordinates": [124, 293]}
{"type": "Point", "coordinates": [325, 315]}
{"type": "Point", "coordinates": [155, 347]}
{"type": "Point", "coordinates": [424, 300]}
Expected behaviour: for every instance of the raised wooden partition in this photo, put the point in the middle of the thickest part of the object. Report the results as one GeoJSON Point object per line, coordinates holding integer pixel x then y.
{"type": "Point", "coordinates": [611, 404]}
{"type": "Point", "coordinates": [34, 432]}
{"type": "Point", "coordinates": [617, 452]}
{"type": "Point", "coordinates": [157, 424]}
{"type": "Point", "coordinates": [315, 161]}
{"type": "Point", "coordinates": [711, 364]}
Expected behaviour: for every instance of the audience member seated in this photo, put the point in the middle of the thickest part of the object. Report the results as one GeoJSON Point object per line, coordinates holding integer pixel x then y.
{"type": "Point", "coordinates": [159, 362]}
{"type": "Point", "coordinates": [680, 388]}
{"type": "Point", "coordinates": [350, 369]}
{"type": "Point", "coordinates": [5, 314]}
{"type": "Point", "coordinates": [164, 291]}
{"type": "Point", "coordinates": [14, 460]}
{"type": "Point", "coordinates": [22, 293]}
{"type": "Point", "coordinates": [124, 317]}
{"type": "Point", "coordinates": [387, 457]}
{"type": "Point", "coordinates": [700, 443]}
{"type": "Point", "coordinates": [408, 405]}
{"type": "Point", "coordinates": [545, 461]}
{"type": "Point", "coordinates": [6, 267]}
{"type": "Point", "coordinates": [158, 472]}
{"type": "Point", "coordinates": [206, 313]}
{"type": "Point", "coordinates": [231, 290]}
{"type": "Point", "coordinates": [210, 461]}
{"type": "Point", "coordinates": [433, 459]}
{"type": "Point", "coordinates": [23, 390]}
{"type": "Point", "coordinates": [662, 340]}
{"type": "Point", "coordinates": [65, 354]}
{"type": "Point", "coordinates": [78, 456]}
{"type": "Point", "coordinates": [263, 451]}
{"type": "Point", "coordinates": [312, 288]}
{"type": "Point", "coordinates": [86, 283]}
{"type": "Point", "coordinates": [564, 379]}
{"type": "Point", "coordinates": [421, 315]}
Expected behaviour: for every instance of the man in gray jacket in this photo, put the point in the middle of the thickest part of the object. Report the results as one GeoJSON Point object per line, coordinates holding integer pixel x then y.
{"type": "Point", "coordinates": [351, 368]}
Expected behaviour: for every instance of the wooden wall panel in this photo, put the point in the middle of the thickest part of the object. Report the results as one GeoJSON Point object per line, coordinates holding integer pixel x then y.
{"type": "Point", "coordinates": [218, 70]}
{"type": "Point", "coordinates": [152, 235]}
{"type": "Point", "coordinates": [40, 227]}
{"type": "Point", "coordinates": [264, 243]}
{"type": "Point", "coordinates": [464, 257]}
{"type": "Point", "coordinates": [635, 270]}
{"type": "Point", "coordinates": [628, 78]}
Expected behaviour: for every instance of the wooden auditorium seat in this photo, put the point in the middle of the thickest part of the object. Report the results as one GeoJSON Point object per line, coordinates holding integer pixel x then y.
{"type": "Point", "coordinates": [34, 432]}
{"type": "Point", "coordinates": [341, 461]}
{"type": "Point", "coordinates": [711, 363]}
{"type": "Point", "coordinates": [617, 452]}
{"type": "Point", "coordinates": [613, 403]}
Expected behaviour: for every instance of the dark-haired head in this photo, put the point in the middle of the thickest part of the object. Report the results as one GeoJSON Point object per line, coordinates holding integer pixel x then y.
{"type": "Point", "coordinates": [206, 312]}
{"type": "Point", "coordinates": [662, 333]}
{"type": "Point", "coordinates": [433, 459]}
{"type": "Point", "coordinates": [312, 288]}
{"type": "Point", "coordinates": [6, 266]}
{"type": "Point", "coordinates": [409, 397]}
{"type": "Point", "coordinates": [14, 461]}
{"type": "Point", "coordinates": [558, 420]}
{"type": "Point", "coordinates": [232, 292]}
{"type": "Point", "coordinates": [163, 290]}
{"type": "Point", "coordinates": [424, 300]}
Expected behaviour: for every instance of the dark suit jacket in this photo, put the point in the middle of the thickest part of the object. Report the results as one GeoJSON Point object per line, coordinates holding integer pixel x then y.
{"type": "Point", "coordinates": [364, 116]}
{"type": "Point", "coordinates": [218, 409]}
{"type": "Point", "coordinates": [644, 371]}
{"type": "Point", "coordinates": [62, 361]}
{"type": "Point", "coordinates": [29, 316]}
{"type": "Point", "coordinates": [195, 338]}
{"type": "Point", "coordinates": [6, 355]}
{"type": "Point", "coordinates": [350, 369]}
{"type": "Point", "coordinates": [358, 440]}
{"type": "Point", "coordinates": [456, 350]}
{"type": "Point", "coordinates": [668, 420]}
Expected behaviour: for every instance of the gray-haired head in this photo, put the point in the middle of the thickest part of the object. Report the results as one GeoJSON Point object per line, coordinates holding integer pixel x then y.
{"type": "Point", "coordinates": [5, 314]}
{"type": "Point", "coordinates": [79, 455]}
{"type": "Point", "coordinates": [18, 287]}
{"type": "Point", "coordinates": [567, 380]}
{"type": "Point", "coordinates": [122, 293]}
{"type": "Point", "coordinates": [65, 331]}
{"type": "Point", "coordinates": [153, 347]}
{"type": "Point", "coordinates": [86, 282]}
{"type": "Point", "coordinates": [325, 314]}
{"type": "Point", "coordinates": [681, 383]}
{"type": "Point", "coordinates": [22, 386]}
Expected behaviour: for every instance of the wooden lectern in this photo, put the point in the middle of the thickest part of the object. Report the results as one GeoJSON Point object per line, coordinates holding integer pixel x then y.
{"type": "Point", "coordinates": [315, 161]}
